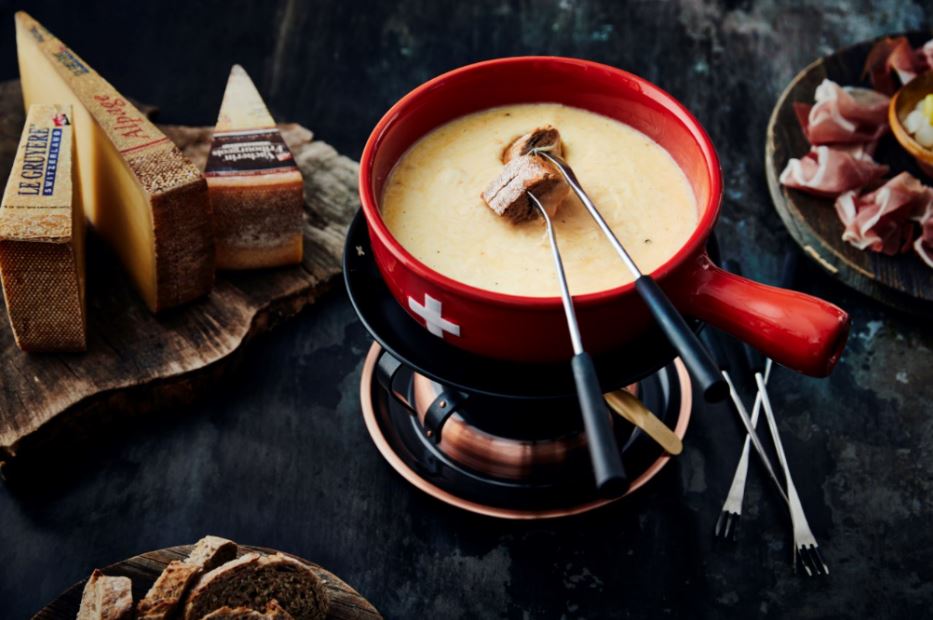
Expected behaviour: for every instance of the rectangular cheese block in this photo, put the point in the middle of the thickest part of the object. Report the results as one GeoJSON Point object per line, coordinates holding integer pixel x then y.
{"type": "Point", "coordinates": [42, 237]}
{"type": "Point", "coordinates": [255, 186]}
{"type": "Point", "coordinates": [139, 192]}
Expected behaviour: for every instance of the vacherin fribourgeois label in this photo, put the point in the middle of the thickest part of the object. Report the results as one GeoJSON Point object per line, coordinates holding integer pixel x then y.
{"type": "Point", "coordinates": [37, 202]}
{"type": "Point", "coordinates": [248, 152]}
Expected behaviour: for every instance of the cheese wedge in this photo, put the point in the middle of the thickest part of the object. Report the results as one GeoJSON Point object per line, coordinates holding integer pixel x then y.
{"type": "Point", "coordinates": [139, 192]}
{"type": "Point", "coordinates": [255, 186]}
{"type": "Point", "coordinates": [42, 237]}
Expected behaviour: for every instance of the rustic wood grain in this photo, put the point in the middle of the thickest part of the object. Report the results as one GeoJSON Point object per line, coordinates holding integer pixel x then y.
{"type": "Point", "coordinates": [904, 281]}
{"type": "Point", "coordinates": [137, 362]}
{"type": "Point", "coordinates": [345, 602]}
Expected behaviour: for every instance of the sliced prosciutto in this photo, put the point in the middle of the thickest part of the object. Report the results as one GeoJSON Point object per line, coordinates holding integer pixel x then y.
{"type": "Point", "coordinates": [923, 246]}
{"type": "Point", "coordinates": [892, 63]}
{"type": "Point", "coordinates": [883, 220]}
{"type": "Point", "coordinates": [843, 115]}
{"type": "Point", "coordinates": [828, 172]}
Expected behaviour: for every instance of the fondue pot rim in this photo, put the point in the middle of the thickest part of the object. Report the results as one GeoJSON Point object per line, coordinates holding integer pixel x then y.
{"type": "Point", "coordinates": [694, 244]}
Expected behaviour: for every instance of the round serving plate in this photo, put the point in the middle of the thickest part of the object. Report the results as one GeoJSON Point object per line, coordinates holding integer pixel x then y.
{"type": "Point", "coordinates": [345, 602]}
{"type": "Point", "coordinates": [903, 281]}
{"type": "Point", "coordinates": [401, 440]}
{"type": "Point", "coordinates": [418, 349]}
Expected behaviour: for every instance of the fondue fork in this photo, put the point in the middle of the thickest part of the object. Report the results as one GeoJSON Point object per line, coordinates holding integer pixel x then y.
{"type": "Point", "coordinates": [732, 506]}
{"type": "Point", "coordinates": [715, 344]}
{"type": "Point", "coordinates": [684, 340]}
{"type": "Point", "coordinates": [728, 521]}
{"type": "Point", "coordinates": [805, 546]}
{"type": "Point", "coordinates": [611, 480]}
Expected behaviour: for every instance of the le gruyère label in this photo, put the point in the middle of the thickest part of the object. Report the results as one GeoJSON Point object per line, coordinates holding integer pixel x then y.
{"type": "Point", "coordinates": [37, 203]}
{"type": "Point", "coordinates": [249, 152]}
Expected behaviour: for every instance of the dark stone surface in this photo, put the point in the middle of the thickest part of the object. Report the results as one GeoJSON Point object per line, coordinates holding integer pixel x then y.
{"type": "Point", "coordinates": [278, 455]}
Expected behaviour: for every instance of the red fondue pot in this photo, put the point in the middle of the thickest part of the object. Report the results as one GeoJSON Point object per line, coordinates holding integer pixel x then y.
{"type": "Point", "coordinates": [796, 330]}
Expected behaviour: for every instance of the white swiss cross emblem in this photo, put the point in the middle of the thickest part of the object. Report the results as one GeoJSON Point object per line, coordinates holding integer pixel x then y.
{"type": "Point", "coordinates": [430, 311]}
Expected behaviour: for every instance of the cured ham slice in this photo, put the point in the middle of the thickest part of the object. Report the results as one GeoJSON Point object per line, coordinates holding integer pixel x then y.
{"type": "Point", "coordinates": [883, 220]}
{"type": "Point", "coordinates": [826, 171]}
{"type": "Point", "coordinates": [923, 245]}
{"type": "Point", "coordinates": [843, 115]}
{"type": "Point", "coordinates": [892, 63]}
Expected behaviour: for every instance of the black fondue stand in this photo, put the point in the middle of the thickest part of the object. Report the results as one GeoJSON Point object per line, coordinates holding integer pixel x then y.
{"type": "Point", "coordinates": [513, 412]}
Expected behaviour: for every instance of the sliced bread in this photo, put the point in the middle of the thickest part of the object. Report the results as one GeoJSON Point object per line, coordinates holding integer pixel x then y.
{"type": "Point", "coordinates": [164, 599]}
{"type": "Point", "coordinates": [273, 611]}
{"type": "Point", "coordinates": [253, 580]}
{"type": "Point", "coordinates": [106, 598]}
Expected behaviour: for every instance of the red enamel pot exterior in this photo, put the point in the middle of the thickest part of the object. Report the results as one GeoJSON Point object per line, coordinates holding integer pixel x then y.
{"type": "Point", "coordinates": [799, 331]}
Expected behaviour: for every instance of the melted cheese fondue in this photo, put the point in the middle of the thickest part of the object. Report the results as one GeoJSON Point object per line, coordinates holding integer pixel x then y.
{"type": "Point", "coordinates": [432, 203]}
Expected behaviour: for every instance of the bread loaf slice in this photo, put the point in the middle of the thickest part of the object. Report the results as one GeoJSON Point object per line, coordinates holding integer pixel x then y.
{"type": "Point", "coordinates": [106, 598]}
{"type": "Point", "coordinates": [253, 580]}
{"type": "Point", "coordinates": [165, 597]}
{"type": "Point", "coordinates": [273, 611]}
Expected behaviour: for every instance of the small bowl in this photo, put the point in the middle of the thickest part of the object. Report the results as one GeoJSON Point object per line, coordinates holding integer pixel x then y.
{"type": "Point", "coordinates": [903, 103]}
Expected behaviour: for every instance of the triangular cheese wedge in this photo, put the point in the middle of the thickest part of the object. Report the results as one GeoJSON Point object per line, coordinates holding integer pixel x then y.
{"type": "Point", "coordinates": [139, 192]}
{"type": "Point", "coordinates": [255, 187]}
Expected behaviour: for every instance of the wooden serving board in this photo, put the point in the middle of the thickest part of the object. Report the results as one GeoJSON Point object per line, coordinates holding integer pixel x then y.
{"type": "Point", "coordinates": [345, 602]}
{"type": "Point", "coordinates": [904, 281]}
{"type": "Point", "coordinates": [137, 362]}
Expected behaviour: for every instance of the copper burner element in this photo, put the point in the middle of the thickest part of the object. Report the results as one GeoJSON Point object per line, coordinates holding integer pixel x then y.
{"type": "Point", "coordinates": [506, 458]}
{"type": "Point", "coordinates": [512, 459]}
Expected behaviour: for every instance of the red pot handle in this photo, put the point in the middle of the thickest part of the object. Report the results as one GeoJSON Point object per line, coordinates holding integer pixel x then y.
{"type": "Point", "coordinates": [796, 330]}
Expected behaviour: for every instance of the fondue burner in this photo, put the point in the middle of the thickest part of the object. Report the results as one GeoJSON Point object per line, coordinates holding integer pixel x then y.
{"type": "Point", "coordinates": [499, 438]}
{"type": "Point", "coordinates": [508, 458]}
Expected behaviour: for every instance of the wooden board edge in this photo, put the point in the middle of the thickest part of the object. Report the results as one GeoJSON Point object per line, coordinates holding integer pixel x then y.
{"type": "Point", "coordinates": [99, 418]}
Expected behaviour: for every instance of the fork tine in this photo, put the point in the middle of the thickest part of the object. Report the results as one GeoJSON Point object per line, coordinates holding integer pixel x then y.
{"type": "Point", "coordinates": [810, 554]}
{"type": "Point", "coordinates": [735, 527]}
{"type": "Point", "coordinates": [818, 557]}
{"type": "Point", "coordinates": [803, 557]}
{"type": "Point", "coordinates": [722, 516]}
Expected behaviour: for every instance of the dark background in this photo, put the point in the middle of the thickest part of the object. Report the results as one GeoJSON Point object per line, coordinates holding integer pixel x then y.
{"type": "Point", "coordinates": [278, 456]}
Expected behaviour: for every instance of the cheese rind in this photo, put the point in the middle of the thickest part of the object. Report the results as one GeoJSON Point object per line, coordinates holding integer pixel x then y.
{"type": "Point", "coordinates": [255, 186]}
{"type": "Point", "coordinates": [42, 237]}
{"type": "Point", "coordinates": [139, 192]}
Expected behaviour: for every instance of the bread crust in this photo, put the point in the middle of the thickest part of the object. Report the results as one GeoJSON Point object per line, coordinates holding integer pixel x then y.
{"type": "Point", "coordinates": [166, 596]}
{"type": "Point", "coordinates": [106, 598]}
{"type": "Point", "coordinates": [253, 580]}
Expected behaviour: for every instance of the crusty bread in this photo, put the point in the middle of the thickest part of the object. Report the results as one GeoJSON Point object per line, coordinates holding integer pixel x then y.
{"type": "Point", "coordinates": [106, 598]}
{"type": "Point", "coordinates": [253, 580]}
{"type": "Point", "coordinates": [273, 611]}
{"type": "Point", "coordinates": [165, 596]}
{"type": "Point", "coordinates": [507, 194]}
{"type": "Point", "coordinates": [545, 138]}
{"type": "Point", "coordinates": [212, 551]}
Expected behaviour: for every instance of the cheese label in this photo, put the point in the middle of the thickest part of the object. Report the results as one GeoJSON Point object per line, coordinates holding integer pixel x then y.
{"type": "Point", "coordinates": [37, 202]}
{"type": "Point", "coordinates": [248, 152]}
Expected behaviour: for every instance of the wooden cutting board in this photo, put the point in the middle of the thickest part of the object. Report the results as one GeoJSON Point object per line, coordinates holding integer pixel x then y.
{"type": "Point", "coordinates": [137, 362]}
{"type": "Point", "coordinates": [904, 281]}
{"type": "Point", "coordinates": [345, 602]}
